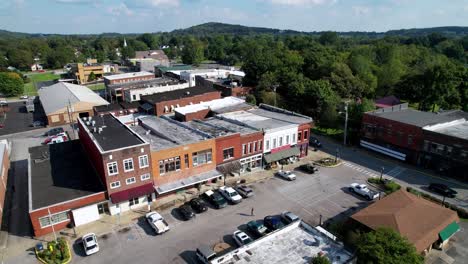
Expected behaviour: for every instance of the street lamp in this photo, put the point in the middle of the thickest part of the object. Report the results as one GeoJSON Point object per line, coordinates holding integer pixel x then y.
{"type": "Point", "coordinates": [381, 173]}
{"type": "Point", "coordinates": [337, 154]}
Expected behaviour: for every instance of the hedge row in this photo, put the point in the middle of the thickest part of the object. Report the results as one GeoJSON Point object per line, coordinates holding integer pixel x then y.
{"type": "Point", "coordinates": [462, 213]}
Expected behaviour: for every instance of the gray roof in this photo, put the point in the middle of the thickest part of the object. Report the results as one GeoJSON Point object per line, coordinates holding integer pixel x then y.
{"type": "Point", "coordinates": [61, 94]}
{"type": "Point", "coordinates": [458, 129]}
{"type": "Point", "coordinates": [243, 129]}
{"type": "Point", "coordinates": [209, 129]}
{"type": "Point", "coordinates": [417, 118]}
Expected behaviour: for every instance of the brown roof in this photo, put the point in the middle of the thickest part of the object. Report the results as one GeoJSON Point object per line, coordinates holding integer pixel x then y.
{"type": "Point", "coordinates": [153, 54]}
{"type": "Point", "coordinates": [415, 218]}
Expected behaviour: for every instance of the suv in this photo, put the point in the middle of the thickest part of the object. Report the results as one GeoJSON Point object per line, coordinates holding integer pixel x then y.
{"type": "Point", "coordinates": [215, 199]}
{"type": "Point", "coordinates": [442, 189]}
{"type": "Point", "coordinates": [289, 217]}
{"type": "Point", "coordinates": [308, 168]}
{"type": "Point", "coordinates": [314, 142]}
{"type": "Point", "coordinates": [205, 254]}
{"type": "Point", "coordinates": [273, 222]}
{"type": "Point", "coordinates": [230, 194]}
{"type": "Point", "coordinates": [244, 191]}
{"type": "Point", "coordinates": [256, 228]}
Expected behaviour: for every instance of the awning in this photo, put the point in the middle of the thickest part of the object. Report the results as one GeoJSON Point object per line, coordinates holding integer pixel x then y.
{"type": "Point", "coordinates": [229, 167]}
{"type": "Point", "coordinates": [383, 150]}
{"type": "Point", "coordinates": [283, 154]}
{"type": "Point", "coordinates": [447, 232]}
{"type": "Point", "coordinates": [188, 181]}
{"type": "Point", "coordinates": [132, 193]}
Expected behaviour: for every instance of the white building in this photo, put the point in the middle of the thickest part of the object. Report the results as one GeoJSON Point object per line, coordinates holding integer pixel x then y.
{"type": "Point", "coordinates": [189, 75]}
{"type": "Point", "coordinates": [135, 94]}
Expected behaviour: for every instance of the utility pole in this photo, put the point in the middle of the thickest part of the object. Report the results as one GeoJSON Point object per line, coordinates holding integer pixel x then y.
{"type": "Point", "coordinates": [381, 173]}
{"type": "Point", "coordinates": [345, 124]}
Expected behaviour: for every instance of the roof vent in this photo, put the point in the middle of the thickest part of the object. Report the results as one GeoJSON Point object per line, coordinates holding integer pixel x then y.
{"type": "Point", "coordinates": [85, 118]}
{"type": "Point", "coordinates": [87, 123]}
{"type": "Point", "coordinates": [187, 92]}
{"type": "Point", "coordinates": [148, 132]}
{"type": "Point", "coordinates": [93, 123]}
{"type": "Point", "coordinates": [100, 130]}
{"type": "Point", "coordinates": [94, 129]}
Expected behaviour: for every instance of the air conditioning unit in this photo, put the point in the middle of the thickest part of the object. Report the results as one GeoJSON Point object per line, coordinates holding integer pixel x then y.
{"type": "Point", "coordinates": [100, 130]}
{"type": "Point", "coordinates": [93, 123]}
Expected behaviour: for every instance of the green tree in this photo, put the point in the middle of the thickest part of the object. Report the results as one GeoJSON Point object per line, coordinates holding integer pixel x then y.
{"type": "Point", "coordinates": [91, 77]}
{"type": "Point", "coordinates": [328, 38]}
{"type": "Point", "coordinates": [320, 260]}
{"type": "Point", "coordinates": [11, 84]}
{"type": "Point", "coordinates": [150, 40]}
{"type": "Point", "coordinates": [251, 99]}
{"type": "Point", "coordinates": [20, 59]}
{"type": "Point", "coordinates": [128, 53]}
{"type": "Point", "coordinates": [386, 246]}
{"type": "Point", "coordinates": [192, 53]}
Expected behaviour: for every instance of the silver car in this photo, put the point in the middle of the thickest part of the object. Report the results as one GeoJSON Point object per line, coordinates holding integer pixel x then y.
{"type": "Point", "coordinates": [244, 191]}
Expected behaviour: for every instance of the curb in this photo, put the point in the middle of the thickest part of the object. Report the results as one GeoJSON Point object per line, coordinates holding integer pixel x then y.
{"type": "Point", "coordinates": [331, 166]}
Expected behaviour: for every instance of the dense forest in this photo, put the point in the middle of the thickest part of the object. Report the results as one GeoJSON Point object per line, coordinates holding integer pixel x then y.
{"type": "Point", "coordinates": [312, 73]}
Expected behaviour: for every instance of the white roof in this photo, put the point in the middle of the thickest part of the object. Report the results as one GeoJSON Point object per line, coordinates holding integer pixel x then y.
{"type": "Point", "coordinates": [213, 105]}
{"type": "Point", "coordinates": [61, 94]}
{"type": "Point", "coordinates": [128, 75]}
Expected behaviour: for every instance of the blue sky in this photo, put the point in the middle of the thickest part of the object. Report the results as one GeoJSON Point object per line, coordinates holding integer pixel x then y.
{"type": "Point", "coordinates": [137, 16]}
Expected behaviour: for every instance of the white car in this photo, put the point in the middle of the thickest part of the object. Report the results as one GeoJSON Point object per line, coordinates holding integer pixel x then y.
{"type": "Point", "coordinates": [90, 243]}
{"type": "Point", "coordinates": [157, 222]}
{"type": "Point", "coordinates": [230, 194]}
{"type": "Point", "coordinates": [288, 175]}
{"type": "Point", "coordinates": [241, 238]}
{"type": "Point", "coordinates": [24, 97]}
{"type": "Point", "coordinates": [362, 190]}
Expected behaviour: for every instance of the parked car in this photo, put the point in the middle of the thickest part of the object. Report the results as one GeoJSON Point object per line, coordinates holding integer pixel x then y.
{"type": "Point", "coordinates": [59, 138]}
{"type": "Point", "coordinates": [288, 175]}
{"type": "Point", "coordinates": [205, 254]}
{"type": "Point", "coordinates": [54, 132]}
{"type": "Point", "coordinates": [442, 189]}
{"type": "Point", "coordinates": [157, 222]}
{"type": "Point", "coordinates": [244, 191]}
{"type": "Point", "coordinates": [308, 168]}
{"type": "Point", "coordinates": [37, 124]}
{"type": "Point", "coordinates": [230, 194]}
{"type": "Point", "coordinates": [186, 212]}
{"type": "Point", "coordinates": [24, 97]}
{"type": "Point", "coordinates": [215, 198]}
{"type": "Point", "coordinates": [257, 228]}
{"type": "Point", "coordinates": [362, 190]}
{"type": "Point", "coordinates": [198, 205]}
{"type": "Point", "coordinates": [289, 217]}
{"type": "Point", "coordinates": [241, 238]}
{"type": "Point", "coordinates": [90, 244]}
{"type": "Point", "coordinates": [273, 222]}
{"type": "Point", "coordinates": [314, 142]}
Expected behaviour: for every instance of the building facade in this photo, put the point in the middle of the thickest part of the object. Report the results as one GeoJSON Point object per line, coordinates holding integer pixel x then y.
{"type": "Point", "coordinates": [4, 168]}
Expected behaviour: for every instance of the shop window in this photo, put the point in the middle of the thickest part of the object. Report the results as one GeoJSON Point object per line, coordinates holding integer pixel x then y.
{"type": "Point", "coordinates": [228, 153]}
{"type": "Point", "coordinates": [186, 160]}
{"type": "Point", "coordinates": [133, 201]}
{"type": "Point", "coordinates": [201, 157]}
{"type": "Point", "coordinates": [168, 165]}
{"type": "Point", "coordinates": [53, 219]}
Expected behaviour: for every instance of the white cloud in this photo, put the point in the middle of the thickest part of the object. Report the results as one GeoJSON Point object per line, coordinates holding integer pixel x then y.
{"type": "Point", "coordinates": [361, 10]}
{"type": "Point", "coordinates": [151, 3]}
{"type": "Point", "coordinates": [120, 9]}
{"type": "Point", "coordinates": [302, 2]}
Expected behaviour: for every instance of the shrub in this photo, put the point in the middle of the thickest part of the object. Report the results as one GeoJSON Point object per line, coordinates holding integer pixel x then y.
{"type": "Point", "coordinates": [375, 180]}
{"type": "Point", "coordinates": [320, 260]}
{"type": "Point", "coordinates": [462, 213]}
{"type": "Point", "coordinates": [391, 186]}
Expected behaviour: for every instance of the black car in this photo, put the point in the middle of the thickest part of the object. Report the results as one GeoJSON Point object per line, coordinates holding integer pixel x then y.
{"type": "Point", "coordinates": [198, 205]}
{"type": "Point", "coordinates": [186, 212]}
{"type": "Point", "coordinates": [309, 168]}
{"type": "Point", "coordinates": [215, 198]}
{"type": "Point", "coordinates": [442, 189]}
{"type": "Point", "coordinates": [314, 142]}
{"type": "Point", "coordinates": [273, 222]}
{"type": "Point", "coordinates": [54, 131]}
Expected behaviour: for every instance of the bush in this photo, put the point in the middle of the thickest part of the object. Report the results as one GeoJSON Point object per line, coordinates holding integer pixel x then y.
{"type": "Point", "coordinates": [391, 186]}
{"type": "Point", "coordinates": [375, 180]}
{"type": "Point", "coordinates": [462, 213]}
{"type": "Point", "coordinates": [320, 260]}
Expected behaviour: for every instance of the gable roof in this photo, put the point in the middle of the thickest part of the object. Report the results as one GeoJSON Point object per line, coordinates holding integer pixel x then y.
{"type": "Point", "coordinates": [61, 94]}
{"type": "Point", "coordinates": [415, 218]}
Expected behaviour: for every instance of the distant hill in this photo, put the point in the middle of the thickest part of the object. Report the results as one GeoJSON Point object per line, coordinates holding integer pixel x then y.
{"type": "Point", "coordinates": [222, 28]}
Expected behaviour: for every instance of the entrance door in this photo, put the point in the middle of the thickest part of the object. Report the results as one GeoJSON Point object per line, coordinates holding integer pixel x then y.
{"type": "Point", "coordinates": [103, 208]}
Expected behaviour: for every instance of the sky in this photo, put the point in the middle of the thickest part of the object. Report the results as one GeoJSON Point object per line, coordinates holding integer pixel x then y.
{"type": "Point", "coordinates": [139, 16]}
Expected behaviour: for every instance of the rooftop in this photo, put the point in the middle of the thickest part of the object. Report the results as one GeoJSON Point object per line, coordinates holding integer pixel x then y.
{"type": "Point", "coordinates": [128, 75]}
{"type": "Point", "coordinates": [212, 105]}
{"type": "Point", "coordinates": [457, 128]}
{"type": "Point", "coordinates": [59, 173]}
{"type": "Point", "coordinates": [177, 94]}
{"type": "Point", "coordinates": [295, 243]}
{"type": "Point", "coordinates": [280, 114]}
{"type": "Point", "coordinates": [114, 134]}
{"type": "Point", "coordinates": [151, 54]}
{"type": "Point", "coordinates": [243, 129]}
{"type": "Point", "coordinates": [163, 133]}
{"type": "Point", "coordinates": [109, 107]}
{"type": "Point", "coordinates": [155, 82]}
{"type": "Point", "coordinates": [253, 120]}
{"type": "Point", "coordinates": [401, 113]}
{"type": "Point", "coordinates": [413, 217]}
{"type": "Point", "coordinates": [209, 129]}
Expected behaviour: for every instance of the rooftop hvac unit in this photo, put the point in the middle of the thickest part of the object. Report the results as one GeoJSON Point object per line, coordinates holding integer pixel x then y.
{"type": "Point", "coordinates": [85, 118]}
{"type": "Point", "coordinates": [148, 132]}
{"type": "Point", "coordinates": [87, 123]}
{"type": "Point", "coordinates": [93, 123]}
{"type": "Point", "coordinates": [100, 130]}
{"type": "Point", "coordinates": [94, 129]}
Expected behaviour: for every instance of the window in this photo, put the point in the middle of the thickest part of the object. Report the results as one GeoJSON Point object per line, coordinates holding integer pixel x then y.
{"type": "Point", "coordinates": [133, 201]}
{"type": "Point", "coordinates": [287, 139]}
{"type": "Point", "coordinates": [128, 164]}
{"type": "Point", "coordinates": [186, 160]}
{"type": "Point", "coordinates": [255, 146]}
{"type": "Point", "coordinates": [299, 135]}
{"type": "Point", "coordinates": [201, 157]}
{"type": "Point", "coordinates": [53, 219]}
{"type": "Point", "coordinates": [112, 168]}
{"type": "Point", "coordinates": [274, 143]}
{"type": "Point", "coordinates": [281, 141]}
{"type": "Point", "coordinates": [143, 160]}
{"type": "Point", "coordinates": [228, 153]}
{"type": "Point", "coordinates": [305, 135]}
{"type": "Point", "coordinates": [55, 118]}
{"type": "Point", "coordinates": [243, 149]}
{"type": "Point", "coordinates": [115, 184]}
{"type": "Point", "coordinates": [294, 138]}
{"type": "Point", "coordinates": [131, 180]}
{"type": "Point", "coordinates": [145, 177]}
{"type": "Point", "coordinates": [250, 147]}
{"type": "Point", "coordinates": [260, 145]}
{"type": "Point", "coordinates": [267, 144]}
{"type": "Point", "coordinates": [410, 139]}
{"type": "Point", "coordinates": [168, 165]}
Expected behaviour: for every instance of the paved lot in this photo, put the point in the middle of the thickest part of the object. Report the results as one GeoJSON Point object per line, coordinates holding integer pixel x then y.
{"type": "Point", "coordinates": [17, 119]}
{"type": "Point", "coordinates": [456, 251]}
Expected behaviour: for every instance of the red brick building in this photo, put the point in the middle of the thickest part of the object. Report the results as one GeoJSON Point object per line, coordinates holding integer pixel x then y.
{"type": "Point", "coordinates": [167, 102]}
{"type": "Point", "coordinates": [4, 168]}
{"type": "Point", "coordinates": [122, 160]}
{"type": "Point", "coordinates": [128, 77]}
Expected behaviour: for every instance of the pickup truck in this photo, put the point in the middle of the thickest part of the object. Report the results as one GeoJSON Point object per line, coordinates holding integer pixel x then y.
{"type": "Point", "coordinates": [362, 190]}
{"type": "Point", "coordinates": [230, 194]}
{"type": "Point", "coordinates": [157, 222]}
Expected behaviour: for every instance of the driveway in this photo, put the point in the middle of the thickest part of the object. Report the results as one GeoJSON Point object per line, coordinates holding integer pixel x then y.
{"type": "Point", "coordinates": [17, 119]}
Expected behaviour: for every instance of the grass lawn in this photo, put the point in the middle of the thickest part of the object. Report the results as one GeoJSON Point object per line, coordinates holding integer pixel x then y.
{"type": "Point", "coordinates": [98, 86]}
{"type": "Point", "coordinates": [29, 88]}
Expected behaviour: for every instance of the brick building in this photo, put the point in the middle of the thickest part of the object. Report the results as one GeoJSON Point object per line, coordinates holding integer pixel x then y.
{"type": "Point", "coordinates": [227, 86]}
{"type": "Point", "coordinates": [167, 102]}
{"type": "Point", "coordinates": [209, 108]}
{"type": "Point", "coordinates": [180, 157]}
{"type": "Point", "coordinates": [122, 160]}
{"type": "Point", "coordinates": [128, 77]}
{"type": "Point", "coordinates": [63, 188]}
{"type": "Point", "coordinates": [117, 109]}
{"type": "Point", "coordinates": [4, 168]}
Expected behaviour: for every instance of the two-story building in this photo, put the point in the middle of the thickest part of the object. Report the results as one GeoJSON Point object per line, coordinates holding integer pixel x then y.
{"type": "Point", "coordinates": [121, 158]}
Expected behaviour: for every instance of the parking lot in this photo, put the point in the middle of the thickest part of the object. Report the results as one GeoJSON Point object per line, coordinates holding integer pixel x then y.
{"type": "Point", "coordinates": [17, 119]}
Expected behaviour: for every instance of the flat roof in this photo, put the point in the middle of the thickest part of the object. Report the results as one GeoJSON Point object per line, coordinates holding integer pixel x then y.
{"type": "Point", "coordinates": [128, 75]}
{"type": "Point", "coordinates": [242, 128]}
{"type": "Point", "coordinates": [114, 134]}
{"type": "Point", "coordinates": [178, 94]}
{"type": "Point", "coordinates": [155, 82]}
{"type": "Point", "coordinates": [254, 120]}
{"type": "Point", "coordinates": [295, 243]}
{"type": "Point", "coordinates": [210, 129]}
{"type": "Point", "coordinates": [280, 114]}
{"type": "Point", "coordinates": [164, 133]}
{"type": "Point", "coordinates": [457, 128]}
{"type": "Point", "coordinates": [213, 105]}
{"type": "Point", "coordinates": [61, 172]}
{"type": "Point", "coordinates": [109, 107]}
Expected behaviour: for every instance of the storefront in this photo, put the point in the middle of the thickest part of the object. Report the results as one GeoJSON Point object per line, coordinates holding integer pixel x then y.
{"type": "Point", "coordinates": [251, 163]}
{"type": "Point", "coordinates": [283, 156]}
